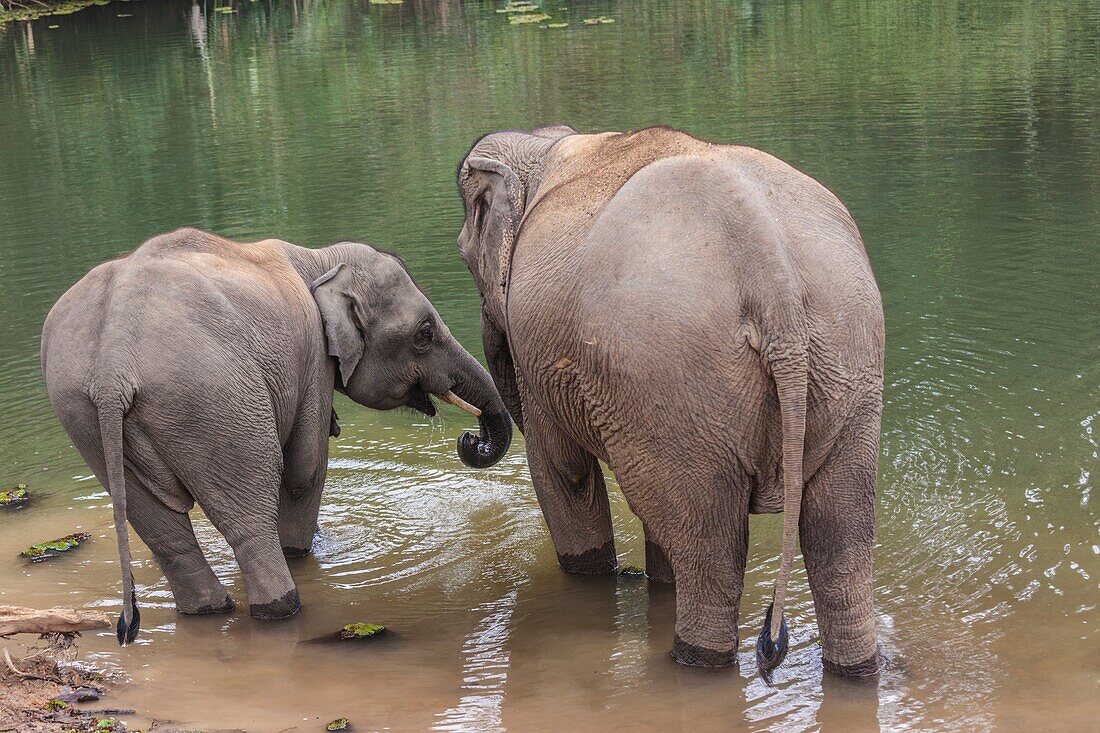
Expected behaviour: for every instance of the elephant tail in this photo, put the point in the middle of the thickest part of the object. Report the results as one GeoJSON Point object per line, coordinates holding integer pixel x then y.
{"type": "Point", "coordinates": [790, 374]}
{"type": "Point", "coordinates": [112, 409]}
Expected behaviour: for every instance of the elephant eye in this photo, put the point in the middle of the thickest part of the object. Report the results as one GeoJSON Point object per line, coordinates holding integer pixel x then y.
{"type": "Point", "coordinates": [425, 334]}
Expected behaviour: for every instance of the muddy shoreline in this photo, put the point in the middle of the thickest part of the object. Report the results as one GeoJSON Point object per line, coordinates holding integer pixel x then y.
{"type": "Point", "coordinates": [44, 689]}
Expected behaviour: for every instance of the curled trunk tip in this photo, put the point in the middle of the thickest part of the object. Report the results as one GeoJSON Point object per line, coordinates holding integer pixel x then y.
{"type": "Point", "coordinates": [487, 448]}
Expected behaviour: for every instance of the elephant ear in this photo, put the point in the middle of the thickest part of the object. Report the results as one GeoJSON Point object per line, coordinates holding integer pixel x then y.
{"type": "Point", "coordinates": [497, 207]}
{"type": "Point", "coordinates": [343, 316]}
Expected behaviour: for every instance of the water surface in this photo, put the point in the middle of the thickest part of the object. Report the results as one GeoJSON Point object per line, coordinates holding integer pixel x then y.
{"type": "Point", "coordinates": [965, 139]}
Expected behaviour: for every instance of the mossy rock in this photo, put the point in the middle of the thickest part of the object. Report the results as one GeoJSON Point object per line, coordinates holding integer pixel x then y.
{"type": "Point", "coordinates": [45, 550]}
{"type": "Point", "coordinates": [109, 725]}
{"type": "Point", "coordinates": [53, 705]}
{"type": "Point", "coordinates": [338, 724]}
{"type": "Point", "coordinates": [17, 495]}
{"type": "Point", "coordinates": [361, 631]}
{"type": "Point", "coordinates": [632, 572]}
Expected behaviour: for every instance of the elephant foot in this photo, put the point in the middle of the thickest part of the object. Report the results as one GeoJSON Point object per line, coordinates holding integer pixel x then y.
{"type": "Point", "coordinates": [867, 668]}
{"type": "Point", "coordinates": [284, 607]}
{"type": "Point", "coordinates": [226, 606]}
{"type": "Point", "coordinates": [597, 561]}
{"type": "Point", "coordinates": [293, 552]}
{"type": "Point", "coordinates": [690, 655]}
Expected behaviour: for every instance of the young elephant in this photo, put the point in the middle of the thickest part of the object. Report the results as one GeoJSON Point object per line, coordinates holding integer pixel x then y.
{"type": "Point", "coordinates": [200, 369]}
{"type": "Point", "coordinates": [704, 319]}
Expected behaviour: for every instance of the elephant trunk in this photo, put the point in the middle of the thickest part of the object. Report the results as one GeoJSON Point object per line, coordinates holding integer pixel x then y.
{"type": "Point", "coordinates": [474, 386]}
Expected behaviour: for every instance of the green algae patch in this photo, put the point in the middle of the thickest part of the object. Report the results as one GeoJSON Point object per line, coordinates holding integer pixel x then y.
{"type": "Point", "coordinates": [45, 550]}
{"type": "Point", "coordinates": [527, 19]}
{"type": "Point", "coordinates": [519, 7]}
{"type": "Point", "coordinates": [338, 724]}
{"type": "Point", "coordinates": [632, 572]}
{"type": "Point", "coordinates": [360, 631]}
{"type": "Point", "coordinates": [34, 11]}
{"type": "Point", "coordinates": [12, 497]}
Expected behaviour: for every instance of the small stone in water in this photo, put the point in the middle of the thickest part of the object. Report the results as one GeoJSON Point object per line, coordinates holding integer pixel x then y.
{"type": "Point", "coordinates": [632, 572]}
{"type": "Point", "coordinates": [78, 694]}
{"type": "Point", "coordinates": [45, 550]}
{"type": "Point", "coordinates": [18, 495]}
{"type": "Point", "coordinates": [338, 724]}
{"type": "Point", "coordinates": [360, 631]}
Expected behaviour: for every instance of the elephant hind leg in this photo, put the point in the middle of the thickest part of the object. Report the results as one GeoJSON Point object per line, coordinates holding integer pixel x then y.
{"type": "Point", "coordinates": [837, 531]}
{"type": "Point", "coordinates": [237, 483]}
{"type": "Point", "coordinates": [166, 531]}
{"type": "Point", "coordinates": [171, 538]}
{"type": "Point", "coordinates": [244, 508]}
{"type": "Point", "coordinates": [703, 528]}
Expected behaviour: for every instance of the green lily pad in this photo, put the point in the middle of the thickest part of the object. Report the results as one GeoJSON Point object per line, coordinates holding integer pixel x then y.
{"type": "Point", "coordinates": [632, 572]}
{"type": "Point", "coordinates": [18, 495]}
{"type": "Point", "coordinates": [338, 724]}
{"type": "Point", "coordinates": [45, 550]}
{"type": "Point", "coordinates": [360, 630]}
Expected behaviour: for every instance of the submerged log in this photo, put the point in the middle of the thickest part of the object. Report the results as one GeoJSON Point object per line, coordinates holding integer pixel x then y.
{"type": "Point", "coordinates": [20, 620]}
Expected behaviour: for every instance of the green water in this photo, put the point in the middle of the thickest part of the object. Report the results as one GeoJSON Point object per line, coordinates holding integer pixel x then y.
{"type": "Point", "coordinates": [963, 136]}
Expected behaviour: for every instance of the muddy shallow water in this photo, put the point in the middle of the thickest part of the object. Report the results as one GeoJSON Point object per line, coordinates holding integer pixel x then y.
{"type": "Point", "coordinates": [965, 138]}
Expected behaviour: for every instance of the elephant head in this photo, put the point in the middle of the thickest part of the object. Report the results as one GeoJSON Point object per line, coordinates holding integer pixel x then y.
{"type": "Point", "coordinates": [393, 350]}
{"type": "Point", "coordinates": [495, 181]}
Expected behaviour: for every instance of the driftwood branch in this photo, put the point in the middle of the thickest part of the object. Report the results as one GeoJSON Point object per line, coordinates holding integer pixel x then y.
{"type": "Point", "coordinates": [20, 620]}
{"type": "Point", "coordinates": [25, 675]}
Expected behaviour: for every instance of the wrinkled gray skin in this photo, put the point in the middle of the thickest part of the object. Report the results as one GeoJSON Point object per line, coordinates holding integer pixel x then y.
{"type": "Point", "coordinates": [202, 369]}
{"type": "Point", "coordinates": [705, 320]}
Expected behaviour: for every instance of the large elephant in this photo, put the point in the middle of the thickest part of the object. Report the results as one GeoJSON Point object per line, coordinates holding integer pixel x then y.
{"type": "Point", "coordinates": [200, 369]}
{"type": "Point", "coordinates": [704, 319]}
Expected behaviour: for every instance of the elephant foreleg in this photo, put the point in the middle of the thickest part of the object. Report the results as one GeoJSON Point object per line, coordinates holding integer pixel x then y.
{"type": "Point", "coordinates": [305, 459]}
{"type": "Point", "coordinates": [837, 530]}
{"type": "Point", "coordinates": [570, 488]}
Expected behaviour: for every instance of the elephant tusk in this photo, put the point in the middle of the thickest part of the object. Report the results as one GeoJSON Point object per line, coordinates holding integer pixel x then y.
{"type": "Point", "coordinates": [459, 403]}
